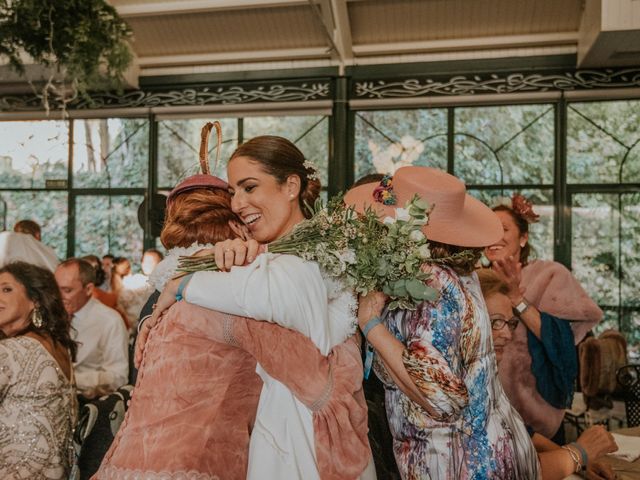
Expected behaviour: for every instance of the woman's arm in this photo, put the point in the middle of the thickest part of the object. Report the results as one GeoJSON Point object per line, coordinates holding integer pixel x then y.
{"type": "Point", "coordinates": [558, 463]}
{"type": "Point", "coordinates": [510, 271]}
{"type": "Point", "coordinates": [418, 369]}
{"type": "Point", "coordinates": [330, 386]}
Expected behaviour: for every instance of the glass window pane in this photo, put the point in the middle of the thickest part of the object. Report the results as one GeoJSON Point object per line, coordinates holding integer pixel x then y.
{"type": "Point", "coordinates": [179, 148]}
{"type": "Point", "coordinates": [506, 144]}
{"type": "Point", "coordinates": [110, 153]}
{"type": "Point", "coordinates": [390, 139]}
{"type": "Point", "coordinates": [108, 225]}
{"type": "Point", "coordinates": [605, 242]}
{"type": "Point", "coordinates": [541, 232]}
{"type": "Point", "coordinates": [310, 133]}
{"type": "Point", "coordinates": [599, 137]}
{"type": "Point", "coordinates": [33, 152]}
{"type": "Point", "coordinates": [594, 239]}
{"type": "Point", "coordinates": [48, 209]}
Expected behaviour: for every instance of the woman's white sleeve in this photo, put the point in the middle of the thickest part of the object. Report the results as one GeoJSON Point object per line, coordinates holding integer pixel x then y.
{"type": "Point", "coordinates": [278, 288]}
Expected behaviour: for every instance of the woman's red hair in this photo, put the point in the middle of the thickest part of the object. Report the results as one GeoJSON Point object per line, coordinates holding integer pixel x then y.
{"type": "Point", "coordinates": [201, 215]}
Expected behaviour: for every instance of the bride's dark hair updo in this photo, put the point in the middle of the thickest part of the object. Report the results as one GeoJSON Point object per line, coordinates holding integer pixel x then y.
{"type": "Point", "coordinates": [281, 158]}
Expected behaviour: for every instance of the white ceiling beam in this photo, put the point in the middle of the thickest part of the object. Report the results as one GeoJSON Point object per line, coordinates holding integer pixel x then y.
{"type": "Point", "coordinates": [342, 29]}
{"type": "Point", "coordinates": [194, 6]}
{"type": "Point", "coordinates": [233, 57]}
{"type": "Point", "coordinates": [479, 43]}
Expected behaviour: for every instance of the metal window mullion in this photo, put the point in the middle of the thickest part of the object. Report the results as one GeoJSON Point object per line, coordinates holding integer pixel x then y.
{"type": "Point", "coordinates": [148, 239]}
{"type": "Point", "coordinates": [340, 168]}
{"type": "Point", "coordinates": [562, 211]}
{"type": "Point", "coordinates": [451, 144]}
{"type": "Point", "coordinates": [71, 200]}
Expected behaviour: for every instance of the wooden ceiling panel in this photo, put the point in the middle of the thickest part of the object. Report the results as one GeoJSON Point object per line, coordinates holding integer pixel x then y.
{"type": "Point", "coordinates": [226, 31]}
{"type": "Point", "coordinates": [380, 21]}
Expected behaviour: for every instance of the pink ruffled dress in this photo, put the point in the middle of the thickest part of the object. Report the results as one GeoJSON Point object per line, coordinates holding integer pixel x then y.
{"type": "Point", "coordinates": [197, 392]}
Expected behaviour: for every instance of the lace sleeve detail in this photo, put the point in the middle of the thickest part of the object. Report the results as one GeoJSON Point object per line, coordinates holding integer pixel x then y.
{"type": "Point", "coordinates": [168, 267]}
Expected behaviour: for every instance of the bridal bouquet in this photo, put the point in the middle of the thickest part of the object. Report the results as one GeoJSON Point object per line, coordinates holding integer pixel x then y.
{"type": "Point", "coordinates": [368, 254]}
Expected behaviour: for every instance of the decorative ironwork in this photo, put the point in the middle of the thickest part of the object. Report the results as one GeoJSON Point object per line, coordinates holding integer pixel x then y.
{"type": "Point", "coordinates": [206, 95]}
{"type": "Point", "coordinates": [497, 83]}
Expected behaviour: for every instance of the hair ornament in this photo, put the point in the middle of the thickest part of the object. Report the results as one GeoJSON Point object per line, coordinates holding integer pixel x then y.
{"type": "Point", "coordinates": [384, 192]}
{"type": "Point", "coordinates": [518, 204]}
{"type": "Point", "coordinates": [523, 207]}
{"type": "Point", "coordinates": [312, 170]}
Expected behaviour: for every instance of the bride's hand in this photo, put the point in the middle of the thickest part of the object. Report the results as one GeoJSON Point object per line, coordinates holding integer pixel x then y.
{"type": "Point", "coordinates": [235, 252]}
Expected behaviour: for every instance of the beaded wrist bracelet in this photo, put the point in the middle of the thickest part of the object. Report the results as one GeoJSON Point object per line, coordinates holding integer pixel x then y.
{"type": "Point", "coordinates": [575, 457]}
{"type": "Point", "coordinates": [583, 454]}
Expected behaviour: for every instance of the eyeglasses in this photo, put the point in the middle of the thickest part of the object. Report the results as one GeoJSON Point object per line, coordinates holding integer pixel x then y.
{"type": "Point", "coordinates": [498, 322]}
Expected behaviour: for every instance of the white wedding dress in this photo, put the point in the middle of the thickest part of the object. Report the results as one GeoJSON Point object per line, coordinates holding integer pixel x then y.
{"type": "Point", "coordinates": [292, 292]}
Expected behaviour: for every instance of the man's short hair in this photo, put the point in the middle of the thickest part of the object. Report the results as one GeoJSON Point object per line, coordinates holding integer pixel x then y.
{"type": "Point", "coordinates": [85, 269]}
{"type": "Point", "coordinates": [154, 251]}
{"type": "Point", "coordinates": [29, 227]}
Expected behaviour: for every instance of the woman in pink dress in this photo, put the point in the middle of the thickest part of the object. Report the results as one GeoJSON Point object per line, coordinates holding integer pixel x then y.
{"type": "Point", "coordinates": [197, 391]}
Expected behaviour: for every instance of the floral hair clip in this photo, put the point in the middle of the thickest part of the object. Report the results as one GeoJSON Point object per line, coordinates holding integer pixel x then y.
{"type": "Point", "coordinates": [523, 207]}
{"type": "Point", "coordinates": [312, 170]}
{"type": "Point", "coordinates": [520, 205]}
{"type": "Point", "coordinates": [384, 192]}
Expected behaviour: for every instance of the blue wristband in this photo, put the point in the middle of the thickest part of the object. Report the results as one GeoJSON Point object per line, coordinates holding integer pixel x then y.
{"type": "Point", "coordinates": [368, 360]}
{"type": "Point", "coordinates": [370, 324]}
{"type": "Point", "coordinates": [183, 284]}
{"type": "Point", "coordinates": [583, 454]}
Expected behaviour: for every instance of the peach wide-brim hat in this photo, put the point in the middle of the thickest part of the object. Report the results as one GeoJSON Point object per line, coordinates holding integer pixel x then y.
{"type": "Point", "coordinates": [456, 218]}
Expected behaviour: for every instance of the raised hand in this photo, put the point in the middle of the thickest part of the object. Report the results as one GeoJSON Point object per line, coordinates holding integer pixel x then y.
{"type": "Point", "coordinates": [509, 269]}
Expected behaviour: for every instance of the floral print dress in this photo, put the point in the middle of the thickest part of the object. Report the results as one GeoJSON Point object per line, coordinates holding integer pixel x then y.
{"type": "Point", "coordinates": [472, 431]}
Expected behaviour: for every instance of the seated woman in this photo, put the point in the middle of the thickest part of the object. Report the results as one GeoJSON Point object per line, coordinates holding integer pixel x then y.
{"type": "Point", "coordinates": [37, 395]}
{"type": "Point", "coordinates": [197, 391]}
{"type": "Point", "coordinates": [539, 366]}
{"type": "Point", "coordinates": [557, 462]}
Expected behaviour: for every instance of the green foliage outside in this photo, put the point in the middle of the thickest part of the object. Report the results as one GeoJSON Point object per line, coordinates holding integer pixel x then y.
{"type": "Point", "coordinates": [83, 42]}
{"type": "Point", "coordinates": [519, 140]}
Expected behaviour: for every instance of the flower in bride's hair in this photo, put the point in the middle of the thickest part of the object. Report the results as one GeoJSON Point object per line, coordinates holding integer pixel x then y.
{"type": "Point", "coordinates": [312, 170]}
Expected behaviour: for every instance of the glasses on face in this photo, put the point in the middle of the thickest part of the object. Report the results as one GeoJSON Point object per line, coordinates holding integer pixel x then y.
{"type": "Point", "coordinates": [498, 322]}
